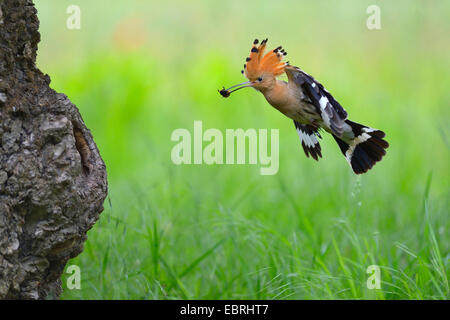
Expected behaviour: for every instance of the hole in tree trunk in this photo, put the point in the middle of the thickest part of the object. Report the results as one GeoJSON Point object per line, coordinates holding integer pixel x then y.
{"type": "Point", "coordinates": [83, 149]}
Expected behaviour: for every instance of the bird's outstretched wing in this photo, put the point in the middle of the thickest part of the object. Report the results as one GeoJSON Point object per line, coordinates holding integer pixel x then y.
{"type": "Point", "coordinates": [308, 136]}
{"type": "Point", "coordinates": [330, 110]}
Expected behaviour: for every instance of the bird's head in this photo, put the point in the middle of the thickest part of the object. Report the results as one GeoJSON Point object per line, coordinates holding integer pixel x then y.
{"type": "Point", "coordinates": [260, 68]}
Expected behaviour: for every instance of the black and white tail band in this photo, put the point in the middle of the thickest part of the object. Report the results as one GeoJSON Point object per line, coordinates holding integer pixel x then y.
{"type": "Point", "coordinates": [366, 148]}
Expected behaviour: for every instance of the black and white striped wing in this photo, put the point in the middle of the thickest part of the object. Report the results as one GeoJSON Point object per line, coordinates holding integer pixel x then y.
{"type": "Point", "coordinates": [331, 112]}
{"type": "Point", "coordinates": [308, 136]}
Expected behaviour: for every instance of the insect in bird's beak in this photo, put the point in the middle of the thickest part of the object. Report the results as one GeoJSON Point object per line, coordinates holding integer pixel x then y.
{"type": "Point", "coordinates": [226, 92]}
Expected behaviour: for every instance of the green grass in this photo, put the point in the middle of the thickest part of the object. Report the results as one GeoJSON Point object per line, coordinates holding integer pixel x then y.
{"type": "Point", "coordinates": [225, 231]}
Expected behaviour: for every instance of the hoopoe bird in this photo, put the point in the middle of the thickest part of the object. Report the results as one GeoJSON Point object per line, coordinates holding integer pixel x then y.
{"type": "Point", "coordinates": [311, 106]}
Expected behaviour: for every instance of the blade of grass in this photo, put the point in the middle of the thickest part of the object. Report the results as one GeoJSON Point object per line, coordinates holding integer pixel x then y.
{"type": "Point", "coordinates": [344, 268]}
{"type": "Point", "coordinates": [190, 267]}
{"type": "Point", "coordinates": [175, 280]}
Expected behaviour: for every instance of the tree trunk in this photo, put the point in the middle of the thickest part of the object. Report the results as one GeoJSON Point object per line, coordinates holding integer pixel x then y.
{"type": "Point", "coordinates": [52, 178]}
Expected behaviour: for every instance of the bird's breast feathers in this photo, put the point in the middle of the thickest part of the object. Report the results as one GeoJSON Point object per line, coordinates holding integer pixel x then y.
{"type": "Point", "coordinates": [290, 100]}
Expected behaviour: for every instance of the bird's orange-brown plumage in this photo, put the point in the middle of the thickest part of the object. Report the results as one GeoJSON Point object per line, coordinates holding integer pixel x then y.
{"type": "Point", "coordinates": [259, 63]}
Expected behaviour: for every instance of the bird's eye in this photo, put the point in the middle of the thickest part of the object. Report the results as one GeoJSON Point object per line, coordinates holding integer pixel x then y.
{"type": "Point", "coordinates": [259, 79]}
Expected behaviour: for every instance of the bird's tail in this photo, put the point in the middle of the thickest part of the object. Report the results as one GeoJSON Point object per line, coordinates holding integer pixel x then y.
{"type": "Point", "coordinates": [365, 147]}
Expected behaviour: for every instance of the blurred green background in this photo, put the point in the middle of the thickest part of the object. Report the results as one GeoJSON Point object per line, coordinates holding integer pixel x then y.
{"type": "Point", "coordinates": [137, 70]}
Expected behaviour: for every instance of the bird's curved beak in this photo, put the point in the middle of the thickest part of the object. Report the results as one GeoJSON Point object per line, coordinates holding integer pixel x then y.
{"type": "Point", "coordinates": [226, 92]}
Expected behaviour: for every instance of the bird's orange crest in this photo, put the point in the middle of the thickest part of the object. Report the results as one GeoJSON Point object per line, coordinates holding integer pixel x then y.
{"type": "Point", "coordinates": [259, 63]}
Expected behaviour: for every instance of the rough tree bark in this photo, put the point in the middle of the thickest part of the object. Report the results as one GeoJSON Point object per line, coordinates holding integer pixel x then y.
{"type": "Point", "coordinates": [52, 178]}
